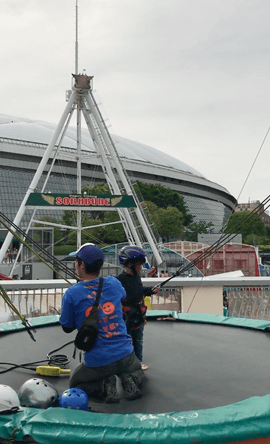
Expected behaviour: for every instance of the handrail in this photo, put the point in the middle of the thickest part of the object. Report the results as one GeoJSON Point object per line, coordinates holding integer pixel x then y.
{"type": "Point", "coordinates": [176, 282]}
{"type": "Point", "coordinates": [247, 297]}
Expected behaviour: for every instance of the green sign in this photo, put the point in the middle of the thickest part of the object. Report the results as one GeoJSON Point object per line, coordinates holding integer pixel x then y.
{"type": "Point", "coordinates": [71, 200]}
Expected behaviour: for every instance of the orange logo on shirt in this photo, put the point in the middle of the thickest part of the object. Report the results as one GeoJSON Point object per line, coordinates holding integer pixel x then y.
{"type": "Point", "coordinates": [108, 308]}
{"type": "Point", "coordinates": [87, 311]}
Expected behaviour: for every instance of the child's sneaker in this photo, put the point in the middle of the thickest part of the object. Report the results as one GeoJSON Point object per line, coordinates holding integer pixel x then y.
{"type": "Point", "coordinates": [144, 367]}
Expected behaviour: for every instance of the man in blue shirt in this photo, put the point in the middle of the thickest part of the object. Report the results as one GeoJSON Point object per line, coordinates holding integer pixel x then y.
{"type": "Point", "coordinates": [113, 352]}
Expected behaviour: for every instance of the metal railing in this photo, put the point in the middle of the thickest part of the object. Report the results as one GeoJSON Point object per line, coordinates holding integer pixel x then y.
{"type": "Point", "coordinates": [247, 297]}
{"type": "Point", "coordinates": [248, 302]}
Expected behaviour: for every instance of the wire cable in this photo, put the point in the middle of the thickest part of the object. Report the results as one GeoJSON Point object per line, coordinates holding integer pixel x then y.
{"type": "Point", "coordinates": [252, 166]}
{"type": "Point", "coordinates": [49, 257]}
{"type": "Point", "coordinates": [224, 239]}
{"type": "Point", "coordinates": [52, 360]}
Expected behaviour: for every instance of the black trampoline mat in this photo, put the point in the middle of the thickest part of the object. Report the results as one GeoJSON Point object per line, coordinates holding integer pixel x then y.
{"type": "Point", "coordinates": [192, 366]}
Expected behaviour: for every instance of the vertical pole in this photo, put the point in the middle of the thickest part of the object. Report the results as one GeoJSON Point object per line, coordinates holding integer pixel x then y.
{"type": "Point", "coordinates": [79, 176]}
{"type": "Point", "coordinates": [76, 41]}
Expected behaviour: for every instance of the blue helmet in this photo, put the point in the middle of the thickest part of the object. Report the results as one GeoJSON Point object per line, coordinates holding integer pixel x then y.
{"type": "Point", "coordinates": [74, 398]}
{"type": "Point", "coordinates": [131, 253]}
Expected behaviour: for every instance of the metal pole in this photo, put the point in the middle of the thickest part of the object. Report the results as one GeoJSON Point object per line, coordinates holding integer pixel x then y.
{"type": "Point", "coordinates": [122, 175]}
{"type": "Point", "coordinates": [42, 190]}
{"type": "Point", "coordinates": [76, 41]}
{"type": "Point", "coordinates": [79, 177]}
{"type": "Point", "coordinates": [39, 172]}
{"type": "Point", "coordinates": [123, 212]}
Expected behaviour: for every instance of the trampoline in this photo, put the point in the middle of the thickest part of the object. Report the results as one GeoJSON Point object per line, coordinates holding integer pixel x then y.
{"type": "Point", "coordinates": [207, 382]}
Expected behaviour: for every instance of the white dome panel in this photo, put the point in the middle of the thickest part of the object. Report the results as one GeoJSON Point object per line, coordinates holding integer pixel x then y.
{"type": "Point", "coordinates": [42, 132]}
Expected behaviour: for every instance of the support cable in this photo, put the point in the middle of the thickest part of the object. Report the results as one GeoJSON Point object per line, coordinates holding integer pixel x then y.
{"type": "Point", "coordinates": [49, 260]}
{"type": "Point", "coordinates": [252, 166]}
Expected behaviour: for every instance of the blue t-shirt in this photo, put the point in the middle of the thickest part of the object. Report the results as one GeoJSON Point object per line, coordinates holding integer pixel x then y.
{"type": "Point", "coordinates": [113, 342]}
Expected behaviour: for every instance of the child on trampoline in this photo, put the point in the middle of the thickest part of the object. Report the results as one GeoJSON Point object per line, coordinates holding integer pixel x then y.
{"type": "Point", "coordinates": [134, 309]}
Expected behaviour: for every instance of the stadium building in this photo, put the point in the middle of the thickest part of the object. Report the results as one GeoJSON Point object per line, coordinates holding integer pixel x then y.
{"type": "Point", "coordinates": [23, 143]}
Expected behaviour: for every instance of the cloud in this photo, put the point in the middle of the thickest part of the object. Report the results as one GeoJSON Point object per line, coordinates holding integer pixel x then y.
{"type": "Point", "coordinates": [188, 77]}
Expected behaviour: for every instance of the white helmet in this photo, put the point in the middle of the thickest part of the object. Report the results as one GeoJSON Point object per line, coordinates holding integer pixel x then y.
{"type": "Point", "coordinates": [38, 393]}
{"type": "Point", "coordinates": [9, 400]}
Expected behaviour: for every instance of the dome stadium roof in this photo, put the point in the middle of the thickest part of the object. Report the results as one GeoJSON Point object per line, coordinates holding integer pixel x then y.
{"type": "Point", "coordinates": [42, 132]}
{"type": "Point", "coordinates": [24, 142]}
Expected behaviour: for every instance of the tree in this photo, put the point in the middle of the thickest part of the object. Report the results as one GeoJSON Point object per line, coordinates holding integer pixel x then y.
{"type": "Point", "coordinates": [152, 209]}
{"type": "Point", "coordinates": [191, 233]}
{"type": "Point", "coordinates": [98, 188]}
{"type": "Point", "coordinates": [164, 197]}
{"type": "Point", "coordinates": [112, 234]}
{"type": "Point", "coordinates": [170, 222]}
{"type": "Point", "coordinates": [89, 234]}
{"type": "Point", "coordinates": [247, 223]}
{"type": "Point", "coordinates": [254, 239]}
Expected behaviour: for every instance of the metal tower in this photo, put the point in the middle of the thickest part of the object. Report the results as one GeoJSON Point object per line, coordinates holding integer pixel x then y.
{"type": "Point", "coordinates": [135, 223]}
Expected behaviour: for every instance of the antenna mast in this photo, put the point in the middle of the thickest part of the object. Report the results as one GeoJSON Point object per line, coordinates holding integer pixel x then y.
{"type": "Point", "coordinates": [76, 40]}
{"type": "Point", "coordinates": [79, 138]}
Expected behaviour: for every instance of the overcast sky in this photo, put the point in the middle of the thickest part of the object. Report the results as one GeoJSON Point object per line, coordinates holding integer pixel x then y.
{"type": "Point", "coordinates": [188, 77]}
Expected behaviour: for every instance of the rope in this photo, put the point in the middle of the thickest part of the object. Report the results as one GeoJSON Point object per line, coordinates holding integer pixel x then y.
{"type": "Point", "coordinates": [50, 259]}
{"type": "Point", "coordinates": [3, 293]}
{"type": "Point", "coordinates": [252, 166]}
{"type": "Point", "coordinates": [25, 323]}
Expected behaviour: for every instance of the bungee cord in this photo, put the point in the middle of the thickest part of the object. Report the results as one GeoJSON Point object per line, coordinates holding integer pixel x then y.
{"type": "Point", "coordinates": [252, 166]}
{"type": "Point", "coordinates": [25, 322]}
{"type": "Point", "coordinates": [50, 260]}
{"type": "Point", "coordinates": [225, 238]}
